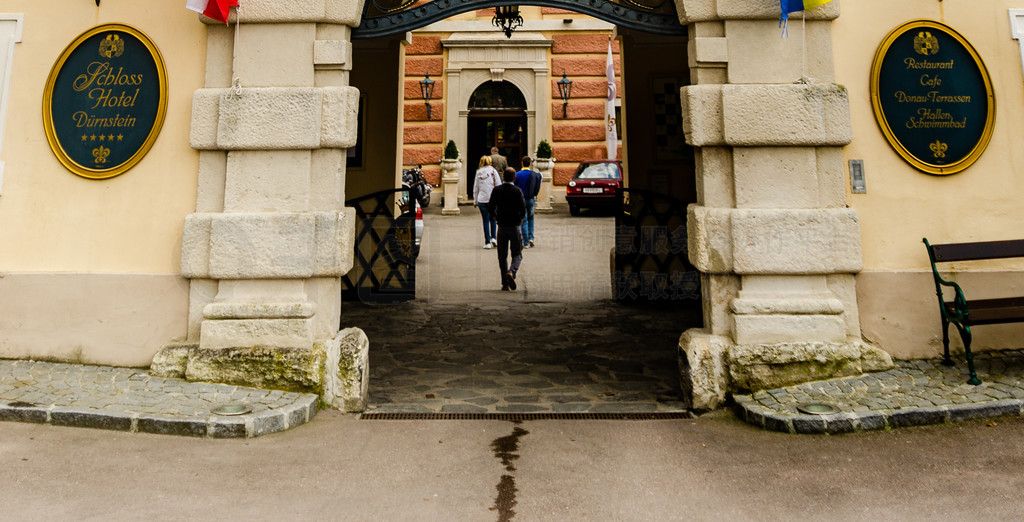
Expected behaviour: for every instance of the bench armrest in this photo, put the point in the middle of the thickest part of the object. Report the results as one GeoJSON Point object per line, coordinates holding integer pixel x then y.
{"type": "Point", "coordinates": [959, 312]}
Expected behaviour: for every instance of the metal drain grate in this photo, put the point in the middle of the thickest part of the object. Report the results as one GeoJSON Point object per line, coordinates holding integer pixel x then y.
{"type": "Point", "coordinates": [528, 416]}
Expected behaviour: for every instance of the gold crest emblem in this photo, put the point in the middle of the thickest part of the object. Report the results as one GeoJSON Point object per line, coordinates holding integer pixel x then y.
{"type": "Point", "coordinates": [925, 43]}
{"type": "Point", "coordinates": [112, 46]}
{"type": "Point", "coordinates": [939, 149]}
{"type": "Point", "coordinates": [100, 154]}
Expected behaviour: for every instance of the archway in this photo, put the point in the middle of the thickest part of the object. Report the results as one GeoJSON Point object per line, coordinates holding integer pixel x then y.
{"type": "Point", "coordinates": [496, 118]}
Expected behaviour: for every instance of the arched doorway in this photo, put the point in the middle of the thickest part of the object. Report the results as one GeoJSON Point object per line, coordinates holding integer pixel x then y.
{"type": "Point", "coordinates": [497, 118]}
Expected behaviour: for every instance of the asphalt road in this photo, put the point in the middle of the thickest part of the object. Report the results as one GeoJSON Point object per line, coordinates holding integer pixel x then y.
{"type": "Point", "coordinates": [340, 468]}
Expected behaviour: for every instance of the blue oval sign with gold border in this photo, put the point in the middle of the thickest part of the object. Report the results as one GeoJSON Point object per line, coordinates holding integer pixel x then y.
{"type": "Point", "coordinates": [105, 101]}
{"type": "Point", "coordinates": [932, 97]}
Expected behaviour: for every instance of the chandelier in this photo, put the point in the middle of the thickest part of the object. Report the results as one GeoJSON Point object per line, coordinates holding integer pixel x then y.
{"type": "Point", "coordinates": [507, 18]}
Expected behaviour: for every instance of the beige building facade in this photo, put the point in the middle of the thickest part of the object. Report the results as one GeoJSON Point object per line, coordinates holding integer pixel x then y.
{"type": "Point", "coordinates": [220, 253]}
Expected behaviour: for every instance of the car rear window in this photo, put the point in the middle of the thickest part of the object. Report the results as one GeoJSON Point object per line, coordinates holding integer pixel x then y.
{"type": "Point", "coordinates": [600, 171]}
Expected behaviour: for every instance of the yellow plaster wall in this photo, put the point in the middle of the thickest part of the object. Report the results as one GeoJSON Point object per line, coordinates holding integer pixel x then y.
{"type": "Point", "coordinates": [902, 204]}
{"type": "Point", "coordinates": [54, 221]}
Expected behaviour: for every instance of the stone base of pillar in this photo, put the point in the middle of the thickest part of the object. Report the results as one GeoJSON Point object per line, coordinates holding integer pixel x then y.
{"type": "Point", "coordinates": [336, 369]}
{"type": "Point", "coordinates": [450, 187]}
{"type": "Point", "coordinates": [545, 166]}
{"type": "Point", "coordinates": [712, 366]}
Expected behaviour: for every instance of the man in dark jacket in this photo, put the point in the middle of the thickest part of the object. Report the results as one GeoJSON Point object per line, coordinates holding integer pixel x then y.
{"type": "Point", "coordinates": [529, 182]}
{"type": "Point", "coordinates": [509, 209]}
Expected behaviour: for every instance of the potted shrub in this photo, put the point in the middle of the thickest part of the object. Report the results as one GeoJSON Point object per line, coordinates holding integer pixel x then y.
{"type": "Point", "coordinates": [451, 152]}
{"type": "Point", "coordinates": [543, 150]}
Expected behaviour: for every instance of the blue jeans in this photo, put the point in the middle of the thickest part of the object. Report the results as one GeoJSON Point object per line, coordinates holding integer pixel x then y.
{"type": "Point", "coordinates": [527, 226]}
{"type": "Point", "coordinates": [490, 225]}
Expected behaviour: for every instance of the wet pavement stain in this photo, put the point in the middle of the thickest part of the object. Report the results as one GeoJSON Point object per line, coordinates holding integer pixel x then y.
{"type": "Point", "coordinates": [506, 449]}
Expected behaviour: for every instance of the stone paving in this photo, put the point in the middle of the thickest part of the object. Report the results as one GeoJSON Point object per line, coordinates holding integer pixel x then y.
{"type": "Point", "coordinates": [522, 357]}
{"type": "Point", "coordinates": [128, 399]}
{"type": "Point", "coordinates": [914, 393]}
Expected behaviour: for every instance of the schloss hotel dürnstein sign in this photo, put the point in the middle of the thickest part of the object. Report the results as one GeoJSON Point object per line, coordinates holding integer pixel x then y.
{"type": "Point", "coordinates": [932, 97]}
{"type": "Point", "coordinates": [105, 101]}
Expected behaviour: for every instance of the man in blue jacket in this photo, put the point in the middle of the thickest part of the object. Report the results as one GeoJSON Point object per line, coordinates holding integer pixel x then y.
{"type": "Point", "coordinates": [528, 181]}
{"type": "Point", "coordinates": [509, 209]}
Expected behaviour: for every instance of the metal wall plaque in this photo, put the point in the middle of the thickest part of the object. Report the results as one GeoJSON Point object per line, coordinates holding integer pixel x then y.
{"type": "Point", "coordinates": [932, 97]}
{"type": "Point", "coordinates": [105, 101]}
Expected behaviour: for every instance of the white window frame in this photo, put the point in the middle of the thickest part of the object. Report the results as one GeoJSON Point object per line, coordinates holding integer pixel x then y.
{"type": "Point", "coordinates": [10, 34]}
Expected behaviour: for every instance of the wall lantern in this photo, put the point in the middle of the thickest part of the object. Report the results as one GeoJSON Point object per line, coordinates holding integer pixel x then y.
{"type": "Point", "coordinates": [564, 90]}
{"type": "Point", "coordinates": [427, 90]}
{"type": "Point", "coordinates": [507, 18]}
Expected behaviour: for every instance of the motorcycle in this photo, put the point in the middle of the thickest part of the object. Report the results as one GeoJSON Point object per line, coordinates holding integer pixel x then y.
{"type": "Point", "coordinates": [414, 180]}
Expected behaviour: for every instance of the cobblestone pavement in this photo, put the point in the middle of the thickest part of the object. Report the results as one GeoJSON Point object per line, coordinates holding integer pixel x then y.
{"type": "Point", "coordinates": [914, 393]}
{"type": "Point", "coordinates": [521, 357]}
{"type": "Point", "coordinates": [128, 399]}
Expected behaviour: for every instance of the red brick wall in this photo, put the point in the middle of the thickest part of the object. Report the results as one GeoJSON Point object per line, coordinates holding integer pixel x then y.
{"type": "Point", "coordinates": [577, 137]}
{"type": "Point", "coordinates": [580, 134]}
{"type": "Point", "coordinates": [423, 138]}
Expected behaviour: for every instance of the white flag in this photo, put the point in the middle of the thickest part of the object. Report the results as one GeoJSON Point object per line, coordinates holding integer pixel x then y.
{"type": "Point", "coordinates": [611, 139]}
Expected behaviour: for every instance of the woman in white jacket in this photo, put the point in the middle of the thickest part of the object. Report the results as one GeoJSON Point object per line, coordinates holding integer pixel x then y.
{"type": "Point", "coordinates": [486, 180]}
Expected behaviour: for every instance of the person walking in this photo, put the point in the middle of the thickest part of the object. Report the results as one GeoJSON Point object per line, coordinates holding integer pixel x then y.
{"type": "Point", "coordinates": [528, 181]}
{"type": "Point", "coordinates": [509, 208]}
{"type": "Point", "coordinates": [498, 161]}
{"type": "Point", "coordinates": [486, 180]}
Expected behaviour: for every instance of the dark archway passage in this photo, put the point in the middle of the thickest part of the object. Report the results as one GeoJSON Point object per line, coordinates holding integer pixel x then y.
{"type": "Point", "coordinates": [559, 344]}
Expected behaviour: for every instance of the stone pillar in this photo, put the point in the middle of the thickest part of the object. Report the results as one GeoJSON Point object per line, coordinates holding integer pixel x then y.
{"type": "Point", "coordinates": [450, 186]}
{"type": "Point", "coordinates": [545, 166]}
{"type": "Point", "coordinates": [770, 232]}
{"type": "Point", "coordinates": [270, 238]}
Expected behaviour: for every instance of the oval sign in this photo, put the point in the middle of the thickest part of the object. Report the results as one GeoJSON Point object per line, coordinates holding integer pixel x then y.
{"type": "Point", "coordinates": [932, 97]}
{"type": "Point", "coordinates": [105, 101]}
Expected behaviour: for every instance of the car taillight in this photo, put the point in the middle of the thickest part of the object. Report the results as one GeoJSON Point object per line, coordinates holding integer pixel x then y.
{"type": "Point", "coordinates": [419, 212]}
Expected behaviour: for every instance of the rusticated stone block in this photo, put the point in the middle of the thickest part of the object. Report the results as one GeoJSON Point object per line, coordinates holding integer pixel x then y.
{"type": "Point", "coordinates": [412, 91]}
{"type": "Point", "coordinates": [423, 65]}
{"type": "Point", "coordinates": [578, 132]}
{"type": "Point", "coordinates": [420, 155]}
{"type": "Point", "coordinates": [797, 115]}
{"type": "Point", "coordinates": [412, 111]}
{"type": "Point", "coordinates": [575, 110]}
{"type": "Point", "coordinates": [271, 245]}
{"type": "Point", "coordinates": [692, 11]}
{"type": "Point", "coordinates": [270, 118]}
{"type": "Point", "coordinates": [584, 65]}
{"type": "Point", "coordinates": [279, 368]}
{"type": "Point", "coordinates": [576, 153]}
{"type": "Point", "coordinates": [422, 134]}
{"type": "Point", "coordinates": [562, 174]}
{"type": "Point", "coordinates": [339, 117]}
{"type": "Point", "coordinates": [786, 241]}
{"type": "Point", "coordinates": [424, 44]}
{"type": "Point", "coordinates": [580, 43]}
{"type": "Point", "coordinates": [586, 88]}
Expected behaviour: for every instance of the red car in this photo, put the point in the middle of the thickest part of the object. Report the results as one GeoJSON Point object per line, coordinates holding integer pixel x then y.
{"type": "Point", "coordinates": [594, 185]}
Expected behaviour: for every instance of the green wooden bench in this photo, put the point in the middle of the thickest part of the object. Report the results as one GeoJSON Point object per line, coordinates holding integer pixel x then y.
{"type": "Point", "coordinates": [964, 314]}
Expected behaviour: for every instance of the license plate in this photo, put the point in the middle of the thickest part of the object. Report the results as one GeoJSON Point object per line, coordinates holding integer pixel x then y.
{"type": "Point", "coordinates": [593, 190]}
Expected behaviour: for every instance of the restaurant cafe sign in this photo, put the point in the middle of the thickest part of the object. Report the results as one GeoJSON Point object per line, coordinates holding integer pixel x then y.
{"type": "Point", "coordinates": [932, 97]}
{"type": "Point", "coordinates": [105, 101]}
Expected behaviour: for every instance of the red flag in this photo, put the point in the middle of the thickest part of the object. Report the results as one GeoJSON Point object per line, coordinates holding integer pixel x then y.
{"type": "Point", "coordinates": [216, 9]}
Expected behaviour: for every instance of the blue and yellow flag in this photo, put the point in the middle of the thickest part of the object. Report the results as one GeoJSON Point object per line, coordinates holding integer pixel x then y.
{"type": "Point", "coordinates": [792, 6]}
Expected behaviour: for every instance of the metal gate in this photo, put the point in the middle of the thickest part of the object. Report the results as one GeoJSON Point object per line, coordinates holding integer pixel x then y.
{"type": "Point", "coordinates": [384, 269]}
{"type": "Point", "coordinates": [650, 260]}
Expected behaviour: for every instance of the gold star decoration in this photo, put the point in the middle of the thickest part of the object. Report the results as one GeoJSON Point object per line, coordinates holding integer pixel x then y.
{"type": "Point", "coordinates": [119, 136]}
{"type": "Point", "coordinates": [102, 137]}
{"type": "Point", "coordinates": [110, 138]}
{"type": "Point", "coordinates": [84, 137]}
{"type": "Point", "coordinates": [92, 138]}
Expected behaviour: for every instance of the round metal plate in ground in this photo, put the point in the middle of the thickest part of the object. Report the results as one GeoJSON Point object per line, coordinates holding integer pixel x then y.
{"type": "Point", "coordinates": [231, 409]}
{"type": "Point", "coordinates": [817, 408]}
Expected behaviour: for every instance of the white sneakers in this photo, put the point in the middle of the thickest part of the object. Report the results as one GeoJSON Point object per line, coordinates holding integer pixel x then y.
{"type": "Point", "coordinates": [488, 246]}
{"type": "Point", "coordinates": [494, 241]}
